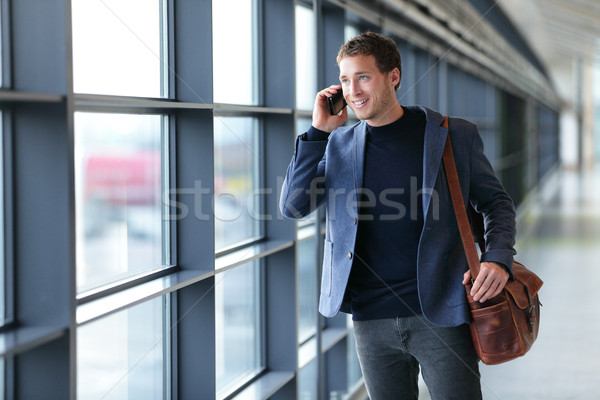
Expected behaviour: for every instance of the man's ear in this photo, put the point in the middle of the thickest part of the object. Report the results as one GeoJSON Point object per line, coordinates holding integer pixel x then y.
{"type": "Point", "coordinates": [395, 76]}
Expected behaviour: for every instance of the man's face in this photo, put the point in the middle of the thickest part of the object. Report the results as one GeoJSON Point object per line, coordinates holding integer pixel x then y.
{"type": "Point", "coordinates": [369, 92]}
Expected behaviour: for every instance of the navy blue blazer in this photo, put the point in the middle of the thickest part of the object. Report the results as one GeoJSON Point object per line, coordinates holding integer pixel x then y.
{"type": "Point", "coordinates": [331, 172]}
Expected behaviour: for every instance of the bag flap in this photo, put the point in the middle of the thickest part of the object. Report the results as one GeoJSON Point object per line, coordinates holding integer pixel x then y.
{"type": "Point", "coordinates": [525, 282]}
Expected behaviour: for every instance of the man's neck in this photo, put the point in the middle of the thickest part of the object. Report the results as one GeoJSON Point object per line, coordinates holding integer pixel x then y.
{"type": "Point", "coordinates": [393, 114]}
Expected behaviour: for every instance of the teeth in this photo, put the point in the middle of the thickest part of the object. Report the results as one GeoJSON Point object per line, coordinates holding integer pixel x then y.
{"type": "Point", "coordinates": [358, 103]}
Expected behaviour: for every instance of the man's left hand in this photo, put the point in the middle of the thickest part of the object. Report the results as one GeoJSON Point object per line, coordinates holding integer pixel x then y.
{"type": "Point", "coordinates": [489, 283]}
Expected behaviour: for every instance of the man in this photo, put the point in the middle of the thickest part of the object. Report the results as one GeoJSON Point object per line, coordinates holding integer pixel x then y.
{"type": "Point", "coordinates": [393, 256]}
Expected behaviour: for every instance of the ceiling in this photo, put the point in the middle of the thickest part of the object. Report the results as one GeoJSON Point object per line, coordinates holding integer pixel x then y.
{"type": "Point", "coordinates": [561, 33]}
{"type": "Point", "coordinates": [564, 35]}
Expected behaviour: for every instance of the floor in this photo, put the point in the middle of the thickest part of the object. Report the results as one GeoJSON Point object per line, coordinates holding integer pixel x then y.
{"type": "Point", "coordinates": [559, 239]}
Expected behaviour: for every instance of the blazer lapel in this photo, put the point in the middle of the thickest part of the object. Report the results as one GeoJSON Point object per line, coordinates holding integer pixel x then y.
{"type": "Point", "coordinates": [435, 139]}
{"type": "Point", "coordinates": [360, 142]}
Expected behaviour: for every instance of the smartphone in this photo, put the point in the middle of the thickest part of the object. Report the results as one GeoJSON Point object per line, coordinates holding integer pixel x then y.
{"type": "Point", "coordinates": [336, 102]}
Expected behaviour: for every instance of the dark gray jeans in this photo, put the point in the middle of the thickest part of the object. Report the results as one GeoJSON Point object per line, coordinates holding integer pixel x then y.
{"type": "Point", "coordinates": [391, 350]}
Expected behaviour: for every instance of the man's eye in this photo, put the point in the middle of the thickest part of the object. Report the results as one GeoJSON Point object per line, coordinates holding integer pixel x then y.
{"type": "Point", "coordinates": [362, 77]}
{"type": "Point", "coordinates": [344, 81]}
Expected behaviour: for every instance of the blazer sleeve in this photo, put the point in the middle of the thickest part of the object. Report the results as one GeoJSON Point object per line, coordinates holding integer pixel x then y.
{"type": "Point", "coordinates": [303, 189]}
{"type": "Point", "coordinates": [488, 197]}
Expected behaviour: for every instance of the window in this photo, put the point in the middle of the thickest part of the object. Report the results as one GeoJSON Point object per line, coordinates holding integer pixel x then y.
{"type": "Point", "coordinates": [119, 47]}
{"type": "Point", "coordinates": [306, 56]}
{"type": "Point", "coordinates": [596, 96]}
{"type": "Point", "coordinates": [2, 241]}
{"type": "Point", "coordinates": [307, 288]}
{"type": "Point", "coordinates": [235, 55]}
{"type": "Point", "coordinates": [302, 124]}
{"type": "Point", "coordinates": [1, 49]}
{"type": "Point", "coordinates": [350, 31]}
{"type": "Point", "coordinates": [308, 381]}
{"type": "Point", "coordinates": [126, 355]}
{"type": "Point", "coordinates": [237, 195]}
{"type": "Point", "coordinates": [353, 371]}
{"type": "Point", "coordinates": [2, 266]}
{"type": "Point", "coordinates": [2, 377]}
{"type": "Point", "coordinates": [238, 326]}
{"type": "Point", "coordinates": [119, 179]}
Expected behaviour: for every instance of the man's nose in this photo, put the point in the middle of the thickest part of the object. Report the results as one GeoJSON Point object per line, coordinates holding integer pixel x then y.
{"type": "Point", "coordinates": [354, 88]}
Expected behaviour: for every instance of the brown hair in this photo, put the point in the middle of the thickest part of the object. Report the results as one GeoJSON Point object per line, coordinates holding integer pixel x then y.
{"type": "Point", "coordinates": [381, 47]}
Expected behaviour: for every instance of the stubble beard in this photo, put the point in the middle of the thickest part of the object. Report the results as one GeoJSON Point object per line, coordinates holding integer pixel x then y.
{"type": "Point", "coordinates": [379, 112]}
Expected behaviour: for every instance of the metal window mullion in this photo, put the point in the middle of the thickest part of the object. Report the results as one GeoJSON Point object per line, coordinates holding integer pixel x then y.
{"type": "Point", "coordinates": [8, 211]}
{"type": "Point", "coordinates": [320, 49]}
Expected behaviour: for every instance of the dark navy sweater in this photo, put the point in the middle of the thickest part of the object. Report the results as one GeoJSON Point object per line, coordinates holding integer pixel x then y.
{"type": "Point", "coordinates": [383, 280]}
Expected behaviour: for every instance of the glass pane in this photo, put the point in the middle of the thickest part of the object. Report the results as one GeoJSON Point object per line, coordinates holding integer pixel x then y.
{"type": "Point", "coordinates": [235, 71]}
{"type": "Point", "coordinates": [2, 266]}
{"type": "Point", "coordinates": [350, 31]}
{"type": "Point", "coordinates": [2, 378]}
{"type": "Point", "coordinates": [237, 326]}
{"type": "Point", "coordinates": [1, 58]}
{"type": "Point", "coordinates": [307, 289]}
{"type": "Point", "coordinates": [596, 91]}
{"type": "Point", "coordinates": [118, 186]}
{"type": "Point", "coordinates": [237, 195]}
{"type": "Point", "coordinates": [306, 56]}
{"type": "Point", "coordinates": [125, 355]}
{"type": "Point", "coordinates": [119, 47]}
{"type": "Point", "coordinates": [353, 372]}
{"type": "Point", "coordinates": [307, 382]}
{"type": "Point", "coordinates": [303, 124]}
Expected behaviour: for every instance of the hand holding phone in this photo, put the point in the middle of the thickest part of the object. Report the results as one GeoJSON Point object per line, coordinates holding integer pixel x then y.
{"type": "Point", "coordinates": [336, 102]}
{"type": "Point", "coordinates": [328, 112]}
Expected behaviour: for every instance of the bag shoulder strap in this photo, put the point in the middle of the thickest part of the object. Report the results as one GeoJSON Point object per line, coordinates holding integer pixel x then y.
{"type": "Point", "coordinates": [459, 206]}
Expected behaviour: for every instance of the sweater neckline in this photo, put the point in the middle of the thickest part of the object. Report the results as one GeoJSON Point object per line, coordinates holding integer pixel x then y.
{"type": "Point", "coordinates": [398, 129]}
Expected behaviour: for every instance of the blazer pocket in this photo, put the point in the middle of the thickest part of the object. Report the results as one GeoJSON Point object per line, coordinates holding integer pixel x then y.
{"type": "Point", "coordinates": [327, 268]}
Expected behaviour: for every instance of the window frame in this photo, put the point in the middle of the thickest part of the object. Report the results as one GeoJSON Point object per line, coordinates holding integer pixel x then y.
{"type": "Point", "coordinates": [167, 226]}
{"type": "Point", "coordinates": [241, 383]}
{"type": "Point", "coordinates": [6, 224]}
{"type": "Point", "coordinates": [167, 348]}
{"type": "Point", "coordinates": [255, 59]}
{"type": "Point", "coordinates": [164, 52]}
{"type": "Point", "coordinates": [258, 175]}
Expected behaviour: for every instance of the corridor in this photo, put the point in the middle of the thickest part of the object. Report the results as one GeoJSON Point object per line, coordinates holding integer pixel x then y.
{"type": "Point", "coordinates": [559, 239]}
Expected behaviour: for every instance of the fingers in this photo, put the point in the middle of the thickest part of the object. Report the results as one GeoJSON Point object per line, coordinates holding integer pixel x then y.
{"type": "Point", "coordinates": [488, 290]}
{"type": "Point", "coordinates": [466, 278]}
{"type": "Point", "coordinates": [321, 100]}
{"type": "Point", "coordinates": [489, 283]}
{"type": "Point", "coordinates": [321, 118]}
{"type": "Point", "coordinates": [330, 91]}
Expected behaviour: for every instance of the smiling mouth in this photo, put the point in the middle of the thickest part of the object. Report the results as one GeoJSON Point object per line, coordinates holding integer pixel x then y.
{"type": "Point", "coordinates": [359, 103]}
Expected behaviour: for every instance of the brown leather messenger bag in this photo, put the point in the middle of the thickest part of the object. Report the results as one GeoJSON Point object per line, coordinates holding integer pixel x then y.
{"type": "Point", "coordinates": [504, 327]}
